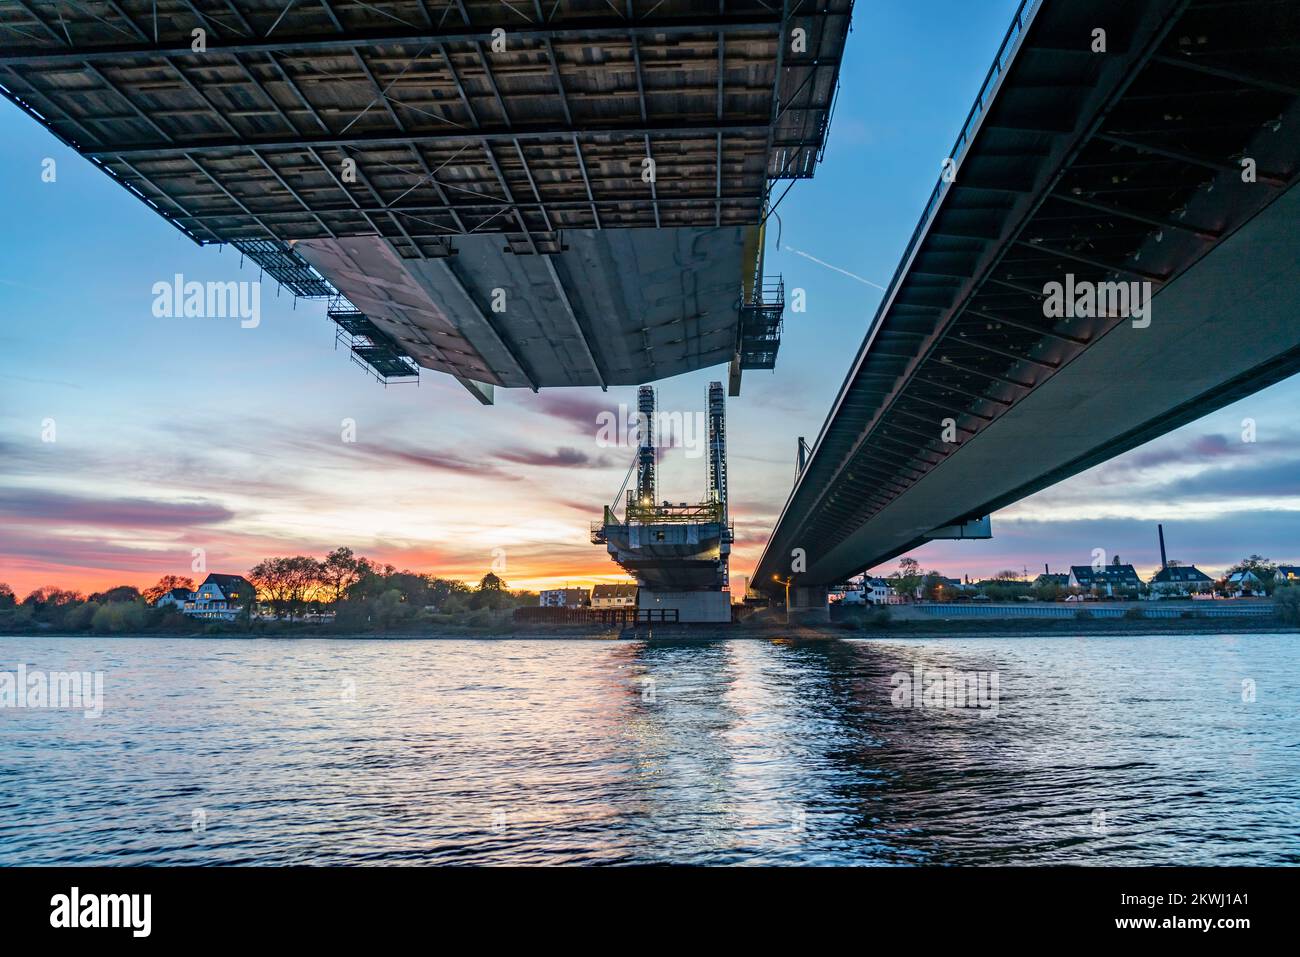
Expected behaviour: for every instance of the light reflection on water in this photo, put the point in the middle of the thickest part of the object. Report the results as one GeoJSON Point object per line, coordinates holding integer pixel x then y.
{"type": "Point", "coordinates": [746, 751]}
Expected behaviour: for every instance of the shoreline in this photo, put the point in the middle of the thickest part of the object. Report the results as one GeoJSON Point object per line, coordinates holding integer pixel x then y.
{"type": "Point", "coordinates": [900, 629]}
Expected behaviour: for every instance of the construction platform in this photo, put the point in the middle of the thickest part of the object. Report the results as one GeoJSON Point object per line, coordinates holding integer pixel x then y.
{"type": "Point", "coordinates": [678, 553]}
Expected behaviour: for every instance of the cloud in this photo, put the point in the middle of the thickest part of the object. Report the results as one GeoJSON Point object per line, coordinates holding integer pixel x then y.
{"type": "Point", "coordinates": [577, 410]}
{"type": "Point", "coordinates": [1198, 450]}
{"type": "Point", "coordinates": [54, 555]}
{"type": "Point", "coordinates": [440, 461]}
{"type": "Point", "coordinates": [1268, 480]}
{"type": "Point", "coordinates": [564, 456]}
{"type": "Point", "coordinates": [22, 505]}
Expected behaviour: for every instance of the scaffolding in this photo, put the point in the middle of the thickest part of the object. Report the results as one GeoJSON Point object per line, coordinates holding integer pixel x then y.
{"type": "Point", "coordinates": [368, 346]}
{"type": "Point", "coordinates": [646, 489]}
{"type": "Point", "coordinates": [282, 263]}
{"type": "Point", "coordinates": [759, 334]}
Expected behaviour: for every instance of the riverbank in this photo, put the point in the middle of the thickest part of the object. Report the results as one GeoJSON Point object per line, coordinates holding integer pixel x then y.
{"type": "Point", "coordinates": [766, 630]}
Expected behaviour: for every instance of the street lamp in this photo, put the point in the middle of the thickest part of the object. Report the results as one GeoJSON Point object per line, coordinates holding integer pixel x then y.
{"type": "Point", "coordinates": [786, 582]}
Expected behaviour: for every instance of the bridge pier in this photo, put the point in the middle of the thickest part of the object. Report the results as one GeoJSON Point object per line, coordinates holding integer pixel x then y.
{"type": "Point", "coordinates": [808, 605]}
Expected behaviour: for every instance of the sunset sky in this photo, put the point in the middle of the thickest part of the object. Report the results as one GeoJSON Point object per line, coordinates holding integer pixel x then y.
{"type": "Point", "coordinates": [175, 434]}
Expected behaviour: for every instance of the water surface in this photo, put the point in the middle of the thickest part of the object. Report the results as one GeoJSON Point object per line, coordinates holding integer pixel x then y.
{"type": "Point", "coordinates": [1103, 750]}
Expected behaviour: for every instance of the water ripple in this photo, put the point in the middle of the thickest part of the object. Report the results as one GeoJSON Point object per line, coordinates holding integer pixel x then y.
{"type": "Point", "coordinates": [1102, 750]}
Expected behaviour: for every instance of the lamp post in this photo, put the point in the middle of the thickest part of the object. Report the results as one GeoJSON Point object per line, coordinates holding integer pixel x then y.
{"type": "Point", "coordinates": [786, 582]}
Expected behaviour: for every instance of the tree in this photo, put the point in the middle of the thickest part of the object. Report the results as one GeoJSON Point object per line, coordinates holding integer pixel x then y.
{"type": "Point", "coordinates": [166, 584]}
{"type": "Point", "coordinates": [7, 599]}
{"type": "Point", "coordinates": [907, 578]}
{"type": "Point", "coordinates": [491, 593]}
{"type": "Point", "coordinates": [340, 571]}
{"type": "Point", "coordinates": [1287, 599]}
{"type": "Point", "coordinates": [50, 596]}
{"type": "Point", "coordinates": [286, 582]}
{"type": "Point", "coordinates": [118, 617]}
{"type": "Point", "coordinates": [1260, 567]}
{"type": "Point", "coordinates": [1048, 591]}
{"type": "Point", "coordinates": [932, 586]}
{"type": "Point", "coordinates": [389, 608]}
{"type": "Point", "coordinates": [118, 593]}
{"type": "Point", "coordinates": [442, 589]}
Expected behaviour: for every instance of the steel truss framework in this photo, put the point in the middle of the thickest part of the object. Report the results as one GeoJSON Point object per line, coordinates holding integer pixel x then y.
{"type": "Point", "coordinates": [422, 120]}
{"type": "Point", "coordinates": [1118, 168]}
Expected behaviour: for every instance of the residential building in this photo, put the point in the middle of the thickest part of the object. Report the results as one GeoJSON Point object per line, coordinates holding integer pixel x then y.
{"type": "Point", "coordinates": [878, 592]}
{"type": "Point", "coordinates": [1287, 575]}
{"type": "Point", "coordinates": [1243, 583]}
{"type": "Point", "coordinates": [1181, 580]}
{"type": "Point", "coordinates": [613, 596]}
{"type": "Point", "coordinates": [564, 598]}
{"type": "Point", "coordinates": [1109, 580]}
{"type": "Point", "coordinates": [221, 597]}
{"type": "Point", "coordinates": [177, 598]}
{"type": "Point", "coordinates": [1061, 581]}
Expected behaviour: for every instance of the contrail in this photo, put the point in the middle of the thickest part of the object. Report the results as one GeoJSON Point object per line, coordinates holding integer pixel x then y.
{"type": "Point", "coordinates": [799, 252]}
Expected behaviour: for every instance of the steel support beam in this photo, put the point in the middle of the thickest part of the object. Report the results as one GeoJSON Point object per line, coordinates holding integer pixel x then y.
{"type": "Point", "coordinates": [637, 131]}
{"type": "Point", "coordinates": [595, 28]}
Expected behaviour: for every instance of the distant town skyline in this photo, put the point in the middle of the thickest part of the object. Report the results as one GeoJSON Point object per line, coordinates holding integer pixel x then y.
{"type": "Point", "coordinates": [130, 439]}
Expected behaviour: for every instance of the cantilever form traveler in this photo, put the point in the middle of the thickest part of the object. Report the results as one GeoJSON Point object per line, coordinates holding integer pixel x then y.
{"type": "Point", "coordinates": [571, 201]}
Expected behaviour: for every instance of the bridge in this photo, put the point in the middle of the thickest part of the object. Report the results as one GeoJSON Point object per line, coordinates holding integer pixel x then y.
{"type": "Point", "coordinates": [518, 194]}
{"type": "Point", "coordinates": [1116, 150]}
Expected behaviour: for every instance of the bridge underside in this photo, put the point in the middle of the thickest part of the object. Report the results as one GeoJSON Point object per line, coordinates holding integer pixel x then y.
{"type": "Point", "coordinates": [458, 148]}
{"type": "Point", "coordinates": [1084, 167]}
{"type": "Point", "coordinates": [619, 307]}
{"type": "Point", "coordinates": [1225, 330]}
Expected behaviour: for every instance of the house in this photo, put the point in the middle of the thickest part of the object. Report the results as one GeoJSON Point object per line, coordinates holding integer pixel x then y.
{"type": "Point", "coordinates": [1050, 579]}
{"type": "Point", "coordinates": [1244, 583]}
{"type": "Point", "coordinates": [177, 598]}
{"type": "Point", "coordinates": [1287, 575]}
{"type": "Point", "coordinates": [877, 591]}
{"type": "Point", "coordinates": [613, 596]}
{"type": "Point", "coordinates": [1110, 580]}
{"type": "Point", "coordinates": [222, 597]}
{"type": "Point", "coordinates": [1181, 580]}
{"type": "Point", "coordinates": [944, 588]}
{"type": "Point", "coordinates": [564, 598]}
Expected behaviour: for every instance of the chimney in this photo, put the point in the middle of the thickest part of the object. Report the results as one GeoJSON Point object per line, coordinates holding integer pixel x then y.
{"type": "Point", "coordinates": [1046, 570]}
{"type": "Point", "coordinates": [1164, 563]}
{"type": "Point", "coordinates": [1116, 562]}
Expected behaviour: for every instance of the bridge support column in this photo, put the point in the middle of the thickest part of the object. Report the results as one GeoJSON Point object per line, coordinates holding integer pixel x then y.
{"type": "Point", "coordinates": [808, 605]}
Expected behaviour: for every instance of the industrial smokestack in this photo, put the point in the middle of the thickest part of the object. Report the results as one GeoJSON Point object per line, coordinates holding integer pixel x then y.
{"type": "Point", "coordinates": [1046, 570]}
{"type": "Point", "coordinates": [1164, 563]}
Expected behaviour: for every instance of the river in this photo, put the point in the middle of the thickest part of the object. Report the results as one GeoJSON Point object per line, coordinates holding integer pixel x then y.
{"type": "Point", "coordinates": [1170, 749]}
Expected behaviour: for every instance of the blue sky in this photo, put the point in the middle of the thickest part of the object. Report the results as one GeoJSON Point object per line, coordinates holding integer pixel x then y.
{"type": "Point", "coordinates": [176, 434]}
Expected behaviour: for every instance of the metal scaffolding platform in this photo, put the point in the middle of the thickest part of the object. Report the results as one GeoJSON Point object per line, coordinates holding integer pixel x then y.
{"type": "Point", "coordinates": [369, 347]}
{"type": "Point", "coordinates": [279, 261]}
{"type": "Point", "coordinates": [760, 326]}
